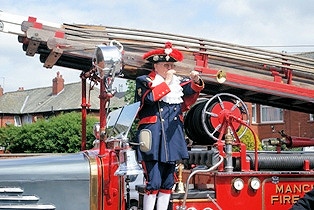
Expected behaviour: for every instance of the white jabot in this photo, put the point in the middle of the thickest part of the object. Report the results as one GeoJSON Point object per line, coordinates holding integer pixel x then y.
{"type": "Point", "coordinates": [175, 94]}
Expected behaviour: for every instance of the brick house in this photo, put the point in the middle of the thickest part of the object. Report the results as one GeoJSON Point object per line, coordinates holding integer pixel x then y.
{"type": "Point", "coordinates": [26, 106]}
{"type": "Point", "coordinates": [292, 122]}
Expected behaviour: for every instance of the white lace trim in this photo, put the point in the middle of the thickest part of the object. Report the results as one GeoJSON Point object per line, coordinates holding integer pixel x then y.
{"type": "Point", "coordinates": [175, 94]}
{"type": "Point", "coordinates": [158, 79]}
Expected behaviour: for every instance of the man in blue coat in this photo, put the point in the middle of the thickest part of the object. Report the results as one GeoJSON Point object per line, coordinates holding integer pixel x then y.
{"type": "Point", "coordinates": [164, 97]}
{"type": "Point", "coordinates": [305, 203]}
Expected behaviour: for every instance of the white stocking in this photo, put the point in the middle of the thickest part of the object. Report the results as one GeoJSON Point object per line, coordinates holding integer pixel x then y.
{"type": "Point", "coordinates": [149, 201]}
{"type": "Point", "coordinates": [163, 201]}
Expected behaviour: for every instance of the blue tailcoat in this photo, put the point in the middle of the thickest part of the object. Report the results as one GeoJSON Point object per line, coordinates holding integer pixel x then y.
{"type": "Point", "coordinates": [165, 121]}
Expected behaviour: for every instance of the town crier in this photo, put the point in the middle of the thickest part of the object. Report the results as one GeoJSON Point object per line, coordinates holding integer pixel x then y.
{"type": "Point", "coordinates": [164, 97]}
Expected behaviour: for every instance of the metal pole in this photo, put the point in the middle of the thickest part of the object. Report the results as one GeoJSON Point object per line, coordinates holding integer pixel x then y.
{"type": "Point", "coordinates": [103, 115]}
{"type": "Point", "coordinates": [84, 114]}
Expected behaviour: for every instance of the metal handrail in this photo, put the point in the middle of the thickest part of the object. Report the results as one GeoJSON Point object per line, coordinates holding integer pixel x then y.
{"type": "Point", "coordinates": [195, 172]}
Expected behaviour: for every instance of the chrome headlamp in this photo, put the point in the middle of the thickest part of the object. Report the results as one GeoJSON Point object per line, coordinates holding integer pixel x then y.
{"type": "Point", "coordinates": [108, 59]}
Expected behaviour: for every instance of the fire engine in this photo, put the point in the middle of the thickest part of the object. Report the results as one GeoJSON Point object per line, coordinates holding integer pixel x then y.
{"type": "Point", "coordinates": [220, 173]}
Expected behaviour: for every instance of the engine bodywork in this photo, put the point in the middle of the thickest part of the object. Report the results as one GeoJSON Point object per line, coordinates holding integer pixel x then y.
{"type": "Point", "coordinates": [44, 182]}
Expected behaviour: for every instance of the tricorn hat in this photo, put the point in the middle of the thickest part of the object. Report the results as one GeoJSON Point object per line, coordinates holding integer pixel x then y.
{"type": "Point", "coordinates": [167, 54]}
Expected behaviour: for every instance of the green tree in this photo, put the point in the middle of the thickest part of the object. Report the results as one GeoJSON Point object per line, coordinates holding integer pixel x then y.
{"type": "Point", "coordinates": [129, 96]}
{"type": "Point", "coordinates": [248, 140]}
{"type": "Point", "coordinates": [60, 134]}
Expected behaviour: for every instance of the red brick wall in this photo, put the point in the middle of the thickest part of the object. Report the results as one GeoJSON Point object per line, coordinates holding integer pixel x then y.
{"type": "Point", "coordinates": [4, 120]}
{"type": "Point", "coordinates": [295, 124]}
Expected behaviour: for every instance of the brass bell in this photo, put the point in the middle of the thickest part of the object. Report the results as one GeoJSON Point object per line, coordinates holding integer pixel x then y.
{"type": "Point", "coordinates": [180, 185]}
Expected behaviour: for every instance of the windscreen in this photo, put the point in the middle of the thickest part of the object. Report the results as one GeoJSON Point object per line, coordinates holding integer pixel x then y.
{"type": "Point", "coordinates": [119, 121]}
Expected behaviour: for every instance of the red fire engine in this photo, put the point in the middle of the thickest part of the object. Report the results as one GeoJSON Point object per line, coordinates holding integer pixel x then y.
{"type": "Point", "coordinates": [220, 173]}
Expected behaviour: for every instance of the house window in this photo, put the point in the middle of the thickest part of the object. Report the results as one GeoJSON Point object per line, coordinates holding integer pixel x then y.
{"type": "Point", "coordinates": [17, 120]}
{"type": "Point", "coordinates": [271, 114]}
{"type": "Point", "coordinates": [253, 113]}
{"type": "Point", "coordinates": [311, 117]}
{"type": "Point", "coordinates": [27, 119]}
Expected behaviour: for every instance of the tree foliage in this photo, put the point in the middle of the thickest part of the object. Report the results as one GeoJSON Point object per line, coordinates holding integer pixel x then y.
{"type": "Point", "coordinates": [248, 139]}
{"type": "Point", "coordinates": [129, 96]}
{"type": "Point", "coordinates": [59, 134]}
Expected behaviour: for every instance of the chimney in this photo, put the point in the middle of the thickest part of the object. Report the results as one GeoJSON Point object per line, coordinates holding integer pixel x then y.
{"type": "Point", "coordinates": [1, 91]}
{"type": "Point", "coordinates": [57, 84]}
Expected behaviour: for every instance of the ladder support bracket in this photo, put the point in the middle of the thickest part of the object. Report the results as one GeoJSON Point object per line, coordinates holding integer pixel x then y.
{"type": "Point", "coordinates": [53, 57]}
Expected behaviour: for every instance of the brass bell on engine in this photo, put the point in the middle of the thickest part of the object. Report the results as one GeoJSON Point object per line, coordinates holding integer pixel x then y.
{"type": "Point", "coordinates": [179, 188]}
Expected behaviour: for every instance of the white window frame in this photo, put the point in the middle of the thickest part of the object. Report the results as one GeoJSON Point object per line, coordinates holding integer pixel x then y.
{"type": "Point", "coordinates": [311, 117]}
{"type": "Point", "coordinates": [17, 120]}
{"type": "Point", "coordinates": [254, 106]}
{"type": "Point", "coordinates": [273, 113]}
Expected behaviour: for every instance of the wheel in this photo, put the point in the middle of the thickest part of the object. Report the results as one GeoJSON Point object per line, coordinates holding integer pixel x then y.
{"type": "Point", "coordinates": [225, 110]}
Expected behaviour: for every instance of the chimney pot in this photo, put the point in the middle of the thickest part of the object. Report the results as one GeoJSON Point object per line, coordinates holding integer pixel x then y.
{"type": "Point", "coordinates": [57, 84]}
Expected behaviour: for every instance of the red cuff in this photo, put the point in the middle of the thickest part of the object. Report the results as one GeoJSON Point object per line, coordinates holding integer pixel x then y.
{"type": "Point", "coordinates": [197, 87]}
{"type": "Point", "coordinates": [147, 120]}
{"type": "Point", "coordinates": [160, 91]}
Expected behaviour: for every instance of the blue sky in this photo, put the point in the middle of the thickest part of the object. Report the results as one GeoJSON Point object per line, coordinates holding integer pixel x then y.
{"type": "Point", "coordinates": [244, 22]}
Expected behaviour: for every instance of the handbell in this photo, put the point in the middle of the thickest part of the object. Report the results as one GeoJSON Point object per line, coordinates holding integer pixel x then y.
{"type": "Point", "coordinates": [128, 163]}
{"type": "Point", "coordinates": [180, 185]}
